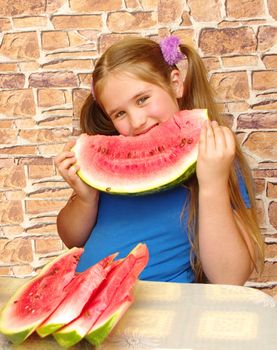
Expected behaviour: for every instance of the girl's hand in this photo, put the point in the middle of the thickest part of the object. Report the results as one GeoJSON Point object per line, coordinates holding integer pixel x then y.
{"type": "Point", "coordinates": [217, 150]}
{"type": "Point", "coordinates": [65, 163]}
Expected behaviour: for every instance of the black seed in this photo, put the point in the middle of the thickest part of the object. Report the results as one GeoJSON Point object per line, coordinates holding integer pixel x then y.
{"type": "Point", "coordinates": [108, 189]}
{"type": "Point", "coordinates": [183, 142]}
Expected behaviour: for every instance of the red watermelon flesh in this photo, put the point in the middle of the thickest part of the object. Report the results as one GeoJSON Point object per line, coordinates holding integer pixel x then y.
{"type": "Point", "coordinates": [120, 303]}
{"type": "Point", "coordinates": [163, 156]}
{"type": "Point", "coordinates": [76, 330]}
{"type": "Point", "coordinates": [39, 297]}
{"type": "Point", "coordinates": [78, 292]}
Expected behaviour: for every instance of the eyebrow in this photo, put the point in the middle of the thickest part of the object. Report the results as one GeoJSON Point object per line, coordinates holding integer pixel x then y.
{"type": "Point", "coordinates": [142, 92]}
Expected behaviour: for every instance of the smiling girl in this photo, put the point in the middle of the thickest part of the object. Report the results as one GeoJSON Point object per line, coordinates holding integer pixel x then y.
{"type": "Point", "coordinates": [203, 230]}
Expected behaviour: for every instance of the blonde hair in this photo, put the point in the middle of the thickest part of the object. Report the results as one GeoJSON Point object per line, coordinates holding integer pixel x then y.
{"type": "Point", "coordinates": [143, 59]}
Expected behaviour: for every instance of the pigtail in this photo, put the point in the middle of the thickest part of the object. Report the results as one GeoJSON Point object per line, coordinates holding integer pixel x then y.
{"type": "Point", "coordinates": [199, 94]}
{"type": "Point", "coordinates": [93, 120]}
{"type": "Point", "coordinates": [197, 91]}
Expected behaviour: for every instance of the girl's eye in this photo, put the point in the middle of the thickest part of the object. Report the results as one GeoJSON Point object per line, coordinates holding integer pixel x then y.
{"type": "Point", "coordinates": [119, 114]}
{"type": "Point", "coordinates": [142, 100]}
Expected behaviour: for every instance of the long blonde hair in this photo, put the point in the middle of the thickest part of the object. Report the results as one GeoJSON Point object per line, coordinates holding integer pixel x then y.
{"type": "Point", "coordinates": [143, 58]}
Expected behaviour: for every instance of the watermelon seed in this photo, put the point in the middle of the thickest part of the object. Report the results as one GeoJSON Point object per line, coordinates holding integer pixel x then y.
{"type": "Point", "coordinates": [99, 149]}
{"type": "Point", "coordinates": [108, 189]}
{"type": "Point", "coordinates": [16, 301]}
{"type": "Point", "coordinates": [190, 140]}
{"type": "Point", "coordinates": [129, 155]}
{"type": "Point", "coordinates": [183, 142]}
{"type": "Point", "coordinates": [161, 148]}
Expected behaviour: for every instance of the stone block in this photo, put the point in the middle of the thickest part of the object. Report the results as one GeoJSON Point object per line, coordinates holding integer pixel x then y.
{"type": "Point", "coordinates": [231, 86]}
{"type": "Point", "coordinates": [77, 22]}
{"type": "Point", "coordinates": [245, 9]}
{"type": "Point", "coordinates": [227, 41]}
{"type": "Point", "coordinates": [20, 46]}
{"type": "Point", "coordinates": [128, 21]}
{"type": "Point", "coordinates": [262, 145]}
{"type": "Point", "coordinates": [205, 11]}
{"type": "Point", "coordinates": [53, 79]}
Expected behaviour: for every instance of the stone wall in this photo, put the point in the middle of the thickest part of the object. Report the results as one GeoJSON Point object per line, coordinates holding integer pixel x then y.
{"type": "Point", "coordinates": [48, 50]}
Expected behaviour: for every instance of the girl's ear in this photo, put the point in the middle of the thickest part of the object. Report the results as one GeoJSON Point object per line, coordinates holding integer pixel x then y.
{"type": "Point", "coordinates": [177, 83]}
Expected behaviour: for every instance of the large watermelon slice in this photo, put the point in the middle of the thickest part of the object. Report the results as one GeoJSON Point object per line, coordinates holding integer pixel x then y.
{"type": "Point", "coordinates": [160, 158]}
{"type": "Point", "coordinates": [107, 298]}
{"type": "Point", "coordinates": [78, 292]}
{"type": "Point", "coordinates": [39, 297]}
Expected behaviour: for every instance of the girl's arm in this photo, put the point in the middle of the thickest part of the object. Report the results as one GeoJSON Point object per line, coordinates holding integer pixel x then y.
{"type": "Point", "coordinates": [223, 243]}
{"type": "Point", "coordinates": [76, 220]}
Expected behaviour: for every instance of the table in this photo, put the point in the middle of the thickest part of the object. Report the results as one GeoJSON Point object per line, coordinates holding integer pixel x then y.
{"type": "Point", "coordinates": [169, 316]}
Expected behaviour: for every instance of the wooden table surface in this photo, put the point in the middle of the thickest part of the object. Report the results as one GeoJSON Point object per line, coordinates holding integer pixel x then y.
{"type": "Point", "coordinates": [178, 316]}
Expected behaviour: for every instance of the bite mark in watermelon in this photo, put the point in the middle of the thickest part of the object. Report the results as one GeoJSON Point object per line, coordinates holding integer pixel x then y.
{"type": "Point", "coordinates": [31, 304]}
{"type": "Point", "coordinates": [78, 292]}
{"type": "Point", "coordinates": [160, 158]}
{"type": "Point", "coordinates": [113, 296]}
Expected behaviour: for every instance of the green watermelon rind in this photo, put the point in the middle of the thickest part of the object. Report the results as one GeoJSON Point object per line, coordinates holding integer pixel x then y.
{"type": "Point", "coordinates": [179, 177]}
{"type": "Point", "coordinates": [17, 336]}
{"type": "Point", "coordinates": [67, 339]}
{"type": "Point", "coordinates": [97, 336]}
{"type": "Point", "coordinates": [49, 329]}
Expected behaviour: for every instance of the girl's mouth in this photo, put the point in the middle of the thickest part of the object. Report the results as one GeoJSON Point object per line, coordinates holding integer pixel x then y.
{"type": "Point", "coordinates": [146, 130]}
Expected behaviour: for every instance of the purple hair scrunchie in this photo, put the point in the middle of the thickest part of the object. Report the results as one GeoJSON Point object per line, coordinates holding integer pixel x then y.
{"type": "Point", "coordinates": [170, 50]}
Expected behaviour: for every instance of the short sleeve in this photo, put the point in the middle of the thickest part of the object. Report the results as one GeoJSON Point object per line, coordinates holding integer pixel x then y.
{"type": "Point", "coordinates": [243, 189]}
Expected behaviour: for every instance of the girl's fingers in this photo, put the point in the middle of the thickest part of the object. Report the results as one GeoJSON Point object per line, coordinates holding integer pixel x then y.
{"type": "Point", "coordinates": [210, 138]}
{"type": "Point", "coordinates": [219, 136]}
{"type": "Point", "coordinates": [230, 140]}
{"type": "Point", "coordinates": [62, 156]}
{"type": "Point", "coordinates": [202, 139]}
{"type": "Point", "coordinates": [67, 163]}
{"type": "Point", "coordinates": [69, 145]}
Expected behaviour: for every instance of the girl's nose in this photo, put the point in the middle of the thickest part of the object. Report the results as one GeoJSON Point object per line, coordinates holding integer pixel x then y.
{"type": "Point", "coordinates": [138, 121]}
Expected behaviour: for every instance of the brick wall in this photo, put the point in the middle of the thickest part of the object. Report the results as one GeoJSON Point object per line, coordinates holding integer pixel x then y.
{"type": "Point", "coordinates": [48, 50]}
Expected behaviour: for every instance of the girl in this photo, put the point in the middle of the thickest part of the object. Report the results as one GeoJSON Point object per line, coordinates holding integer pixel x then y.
{"type": "Point", "coordinates": [203, 230]}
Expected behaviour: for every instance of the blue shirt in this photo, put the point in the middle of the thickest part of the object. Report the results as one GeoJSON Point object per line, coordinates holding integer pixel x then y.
{"type": "Point", "coordinates": [154, 219]}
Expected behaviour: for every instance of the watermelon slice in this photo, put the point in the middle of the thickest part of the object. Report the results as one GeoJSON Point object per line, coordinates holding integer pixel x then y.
{"type": "Point", "coordinates": [78, 292]}
{"type": "Point", "coordinates": [106, 323]}
{"type": "Point", "coordinates": [39, 297]}
{"type": "Point", "coordinates": [133, 264]}
{"type": "Point", "coordinates": [121, 301]}
{"type": "Point", "coordinates": [164, 156]}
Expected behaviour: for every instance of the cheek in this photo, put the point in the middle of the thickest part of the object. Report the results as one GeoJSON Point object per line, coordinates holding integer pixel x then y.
{"type": "Point", "coordinates": [163, 110]}
{"type": "Point", "coordinates": [122, 127]}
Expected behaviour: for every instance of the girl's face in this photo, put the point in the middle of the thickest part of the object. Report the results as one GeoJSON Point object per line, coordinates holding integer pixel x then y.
{"type": "Point", "coordinates": [136, 106]}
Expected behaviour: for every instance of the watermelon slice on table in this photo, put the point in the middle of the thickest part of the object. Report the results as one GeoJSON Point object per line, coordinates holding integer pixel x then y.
{"type": "Point", "coordinates": [161, 158]}
{"type": "Point", "coordinates": [39, 297]}
{"type": "Point", "coordinates": [78, 292]}
{"type": "Point", "coordinates": [121, 301]}
{"type": "Point", "coordinates": [106, 323]}
{"type": "Point", "coordinates": [132, 265]}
